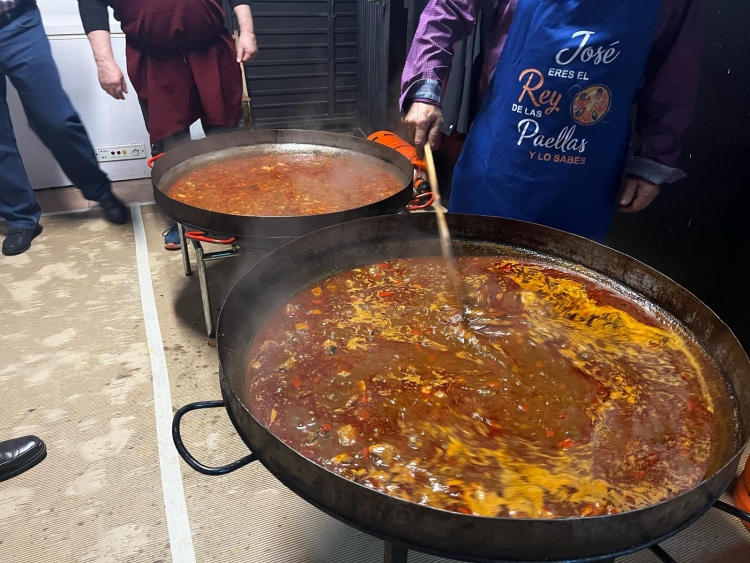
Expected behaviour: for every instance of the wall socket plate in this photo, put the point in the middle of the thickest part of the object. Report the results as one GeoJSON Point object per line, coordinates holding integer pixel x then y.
{"type": "Point", "coordinates": [120, 152]}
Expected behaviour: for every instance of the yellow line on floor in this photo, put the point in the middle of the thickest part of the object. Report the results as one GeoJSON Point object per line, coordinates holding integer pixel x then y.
{"type": "Point", "coordinates": [181, 541]}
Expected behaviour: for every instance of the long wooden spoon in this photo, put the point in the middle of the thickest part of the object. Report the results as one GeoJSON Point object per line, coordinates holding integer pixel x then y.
{"type": "Point", "coordinates": [446, 244]}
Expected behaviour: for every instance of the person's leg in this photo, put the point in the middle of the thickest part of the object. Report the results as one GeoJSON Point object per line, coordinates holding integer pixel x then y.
{"type": "Point", "coordinates": [211, 130]}
{"type": "Point", "coordinates": [172, 142]}
{"type": "Point", "coordinates": [18, 206]}
{"type": "Point", "coordinates": [164, 145]}
{"type": "Point", "coordinates": [51, 115]}
{"type": "Point", "coordinates": [172, 238]}
{"type": "Point", "coordinates": [32, 70]}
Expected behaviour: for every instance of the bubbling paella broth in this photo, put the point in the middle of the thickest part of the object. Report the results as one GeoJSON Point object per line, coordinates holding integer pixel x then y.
{"type": "Point", "coordinates": [562, 398]}
{"type": "Point", "coordinates": [291, 184]}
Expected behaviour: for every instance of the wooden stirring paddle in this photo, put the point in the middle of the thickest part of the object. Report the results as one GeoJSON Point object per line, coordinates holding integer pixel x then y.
{"type": "Point", "coordinates": [446, 244]}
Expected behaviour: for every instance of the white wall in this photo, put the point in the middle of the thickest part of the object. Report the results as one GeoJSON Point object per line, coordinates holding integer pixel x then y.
{"type": "Point", "coordinates": [60, 12]}
{"type": "Point", "coordinates": [61, 16]}
{"type": "Point", "coordinates": [108, 121]}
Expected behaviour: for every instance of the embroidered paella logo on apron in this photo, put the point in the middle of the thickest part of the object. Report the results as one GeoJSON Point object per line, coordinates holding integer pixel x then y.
{"type": "Point", "coordinates": [591, 104]}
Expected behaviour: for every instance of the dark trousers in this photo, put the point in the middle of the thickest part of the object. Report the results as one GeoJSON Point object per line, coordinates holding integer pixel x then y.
{"type": "Point", "coordinates": [173, 141]}
{"type": "Point", "coordinates": [26, 59]}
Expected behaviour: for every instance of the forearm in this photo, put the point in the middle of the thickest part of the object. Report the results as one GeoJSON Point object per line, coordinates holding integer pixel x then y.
{"type": "Point", "coordinates": [442, 24]}
{"type": "Point", "coordinates": [667, 99]}
{"type": "Point", "coordinates": [244, 18]}
{"type": "Point", "coordinates": [101, 45]}
{"type": "Point", "coordinates": [111, 78]}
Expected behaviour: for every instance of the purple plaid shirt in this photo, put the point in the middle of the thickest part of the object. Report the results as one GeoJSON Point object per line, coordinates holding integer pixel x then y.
{"type": "Point", "coordinates": [665, 102]}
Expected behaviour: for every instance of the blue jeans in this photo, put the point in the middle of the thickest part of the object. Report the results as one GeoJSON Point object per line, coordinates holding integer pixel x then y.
{"type": "Point", "coordinates": [26, 59]}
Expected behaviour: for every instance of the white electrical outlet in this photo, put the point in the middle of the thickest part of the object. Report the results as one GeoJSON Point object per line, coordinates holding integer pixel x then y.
{"type": "Point", "coordinates": [120, 152]}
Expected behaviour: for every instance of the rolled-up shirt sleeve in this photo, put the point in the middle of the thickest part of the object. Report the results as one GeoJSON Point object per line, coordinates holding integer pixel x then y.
{"type": "Point", "coordinates": [442, 24]}
{"type": "Point", "coordinates": [94, 15]}
{"type": "Point", "coordinates": [666, 103]}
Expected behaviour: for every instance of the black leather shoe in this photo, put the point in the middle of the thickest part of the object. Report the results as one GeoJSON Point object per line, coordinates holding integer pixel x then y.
{"type": "Point", "coordinates": [19, 455]}
{"type": "Point", "coordinates": [115, 211]}
{"type": "Point", "coordinates": [18, 240]}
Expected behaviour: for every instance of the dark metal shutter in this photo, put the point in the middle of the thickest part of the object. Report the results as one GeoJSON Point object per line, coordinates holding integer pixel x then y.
{"type": "Point", "coordinates": [373, 16]}
{"type": "Point", "coordinates": [305, 75]}
{"type": "Point", "coordinates": [382, 25]}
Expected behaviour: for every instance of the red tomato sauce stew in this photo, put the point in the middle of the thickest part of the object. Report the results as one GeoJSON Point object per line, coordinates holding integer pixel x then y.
{"type": "Point", "coordinates": [283, 185]}
{"type": "Point", "coordinates": [557, 397]}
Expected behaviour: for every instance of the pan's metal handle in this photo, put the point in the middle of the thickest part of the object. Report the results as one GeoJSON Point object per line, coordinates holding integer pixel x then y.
{"type": "Point", "coordinates": [150, 161]}
{"type": "Point", "coordinates": [733, 510]}
{"type": "Point", "coordinates": [189, 459]}
{"type": "Point", "coordinates": [202, 237]}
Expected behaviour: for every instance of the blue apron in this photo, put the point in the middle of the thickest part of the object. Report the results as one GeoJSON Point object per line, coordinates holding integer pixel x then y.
{"type": "Point", "coordinates": [550, 142]}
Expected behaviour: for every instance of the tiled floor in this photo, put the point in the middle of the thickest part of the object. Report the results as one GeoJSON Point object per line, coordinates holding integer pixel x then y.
{"type": "Point", "coordinates": [76, 368]}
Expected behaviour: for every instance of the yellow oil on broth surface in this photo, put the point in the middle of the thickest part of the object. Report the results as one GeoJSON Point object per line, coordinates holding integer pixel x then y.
{"type": "Point", "coordinates": [561, 398]}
